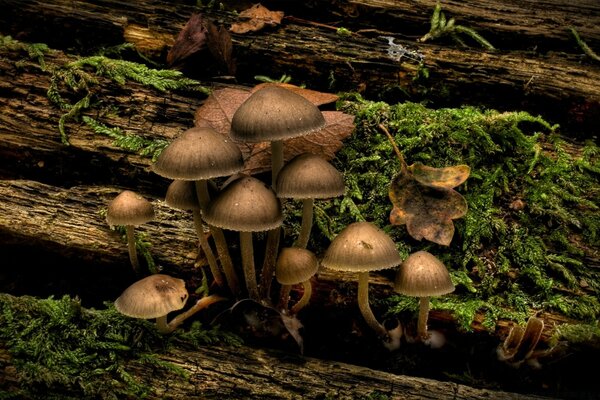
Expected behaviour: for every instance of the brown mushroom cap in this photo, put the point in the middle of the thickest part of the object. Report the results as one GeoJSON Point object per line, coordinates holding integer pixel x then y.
{"type": "Point", "coordinates": [152, 297]}
{"type": "Point", "coordinates": [199, 153]}
{"type": "Point", "coordinates": [245, 205]}
{"type": "Point", "coordinates": [274, 113]}
{"type": "Point", "coordinates": [295, 265]}
{"type": "Point", "coordinates": [422, 275]}
{"type": "Point", "coordinates": [182, 195]}
{"type": "Point", "coordinates": [129, 208]}
{"type": "Point", "coordinates": [361, 247]}
{"type": "Point", "coordinates": [309, 176]}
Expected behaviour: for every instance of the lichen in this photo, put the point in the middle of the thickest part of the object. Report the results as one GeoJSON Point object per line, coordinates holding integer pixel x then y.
{"type": "Point", "coordinates": [532, 225]}
{"type": "Point", "coordinates": [58, 346]}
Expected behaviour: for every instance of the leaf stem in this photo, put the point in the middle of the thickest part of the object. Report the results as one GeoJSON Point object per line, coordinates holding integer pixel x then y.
{"type": "Point", "coordinates": [403, 165]}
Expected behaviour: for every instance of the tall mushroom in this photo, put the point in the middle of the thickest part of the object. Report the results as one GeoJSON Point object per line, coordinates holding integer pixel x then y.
{"type": "Point", "coordinates": [422, 275]}
{"type": "Point", "coordinates": [155, 297]}
{"type": "Point", "coordinates": [274, 114]}
{"type": "Point", "coordinates": [200, 154]}
{"type": "Point", "coordinates": [182, 195]}
{"type": "Point", "coordinates": [307, 177]}
{"type": "Point", "coordinates": [295, 265]}
{"type": "Point", "coordinates": [246, 205]}
{"type": "Point", "coordinates": [130, 209]}
{"type": "Point", "coordinates": [362, 247]}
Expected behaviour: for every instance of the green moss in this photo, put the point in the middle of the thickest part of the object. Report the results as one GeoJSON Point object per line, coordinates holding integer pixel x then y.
{"type": "Point", "coordinates": [532, 225]}
{"type": "Point", "coordinates": [57, 346]}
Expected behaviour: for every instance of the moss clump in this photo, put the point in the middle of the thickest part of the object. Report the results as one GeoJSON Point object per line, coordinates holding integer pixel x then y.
{"type": "Point", "coordinates": [59, 347]}
{"type": "Point", "coordinates": [533, 220]}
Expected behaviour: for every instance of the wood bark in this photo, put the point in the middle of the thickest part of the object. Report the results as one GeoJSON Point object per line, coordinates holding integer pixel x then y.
{"type": "Point", "coordinates": [218, 372]}
{"type": "Point", "coordinates": [560, 86]}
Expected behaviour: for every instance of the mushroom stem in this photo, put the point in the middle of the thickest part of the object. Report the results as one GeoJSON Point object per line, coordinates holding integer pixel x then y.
{"type": "Point", "coordinates": [284, 297]}
{"type": "Point", "coordinates": [248, 264]}
{"type": "Point", "coordinates": [423, 315]}
{"type": "Point", "coordinates": [304, 299]}
{"type": "Point", "coordinates": [210, 256]}
{"type": "Point", "coordinates": [276, 160]}
{"type": "Point", "coordinates": [161, 324]}
{"type": "Point", "coordinates": [219, 238]}
{"type": "Point", "coordinates": [268, 268]}
{"type": "Point", "coordinates": [307, 221]}
{"type": "Point", "coordinates": [200, 305]}
{"type": "Point", "coordinates": [131, 248]}
{"type": "Point", "coordinates": [365, 308]}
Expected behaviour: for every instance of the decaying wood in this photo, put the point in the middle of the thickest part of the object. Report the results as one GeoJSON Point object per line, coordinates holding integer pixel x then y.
{"type": "Point", "coordinates": [248, 373]}
{"type": "Point", "coordinates": [556, 85]}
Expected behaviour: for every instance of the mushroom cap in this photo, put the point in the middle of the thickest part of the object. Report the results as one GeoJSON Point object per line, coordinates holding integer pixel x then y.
{"type": "Point", "coordinates": [245, 205]}
{"type": "Point", "coordinates": [309, 176]}
{"type": "Point", "coordinates": [361, 247]}
{"type": "Point", "coordinates": [295, 265]}
{"type": "Point", "coordinates": [274, 113]}
{"type": "Point", "coordinates": [182, 195]}
{"type": "Point", "coordinates": [152, 297]}
{"type": "Point", "coordinates": [421, 275]}
{"type": "Point", "coordinates": [199, 153]}
{"type": "Point", "coordinates": [129, 208]}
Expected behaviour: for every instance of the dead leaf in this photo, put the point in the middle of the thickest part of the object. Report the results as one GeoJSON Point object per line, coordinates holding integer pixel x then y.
{"type": "Point", "coordinates": [217, 112]}
{"type": "Point", "coordinates": [447, 177]}
{"type": "Point", "coordinates": [426, 210]}
{"type": "Point", "coordinates": [190, 40]}
{"type": "Point", "coordinates": [220, 46]}
{"type": "Point", "coordinates": [256, 18]}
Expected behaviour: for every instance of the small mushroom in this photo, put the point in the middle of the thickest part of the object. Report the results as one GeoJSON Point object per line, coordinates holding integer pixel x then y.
{"type": "Point", "coordinates": [519, 346]}
{"type": "Point", "coordinates": [246, 205]}
{"type": "Point", "coordinates": [295, 265]}
{"type": "Point", "coordinates": [200, 154]}
{"type": "Point", "coordinates": [362, 247]}
{"type": "Point", "coordinates": [130, 209]}
{"type": "Point", "coordinates": [155, 297]}
{"type": "Point", "coordinates": [182, 195]}
{"type": "Point", "coordinates": [307, 177]}
{"type": "Point", "coordinates": [422, 275]}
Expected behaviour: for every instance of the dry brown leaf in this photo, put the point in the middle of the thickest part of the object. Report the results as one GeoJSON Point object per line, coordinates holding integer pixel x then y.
{"type": "Point", "coordinates": [217, 112]}
{"type": "Point", "coordinates": [220, 46]}
{"type": "Point", "coordinates": [190, 40]}
{"type": "Point", "coordinates": [255, 18]}
{"type": "Point", "coordinates": [447, 177]}
{"type": "Point", "coordinates": [426, 210]}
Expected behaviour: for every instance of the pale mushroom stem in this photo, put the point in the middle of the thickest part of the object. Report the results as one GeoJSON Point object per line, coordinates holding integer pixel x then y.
{"type": "Point", "coordinates": [307, 221]}
{"type": "Point", "coordinates": [219, 238]}
{"type": "Point", "coordinates": [276, 160]}
{"type": "Point", "coordinates": [210, 256]}
{"type": "Point", "coordinates": [268, 268]}
{"type": "Point", "coordinates": [304, 299]}
{"type": "Point", "coordinates": [248, 264]}
{"type": "Point", "coordinates": [167, 327]}
{"type": "Point", "coordinates": [161, 324]}
{"type": "Point", "coordinates": [423, 315]}
{"type": "Point", "coordinates": [131, 248]}
{"type": "Point", "coordinates": [284, 297]}
{"type": "Point", "coordinates": [365, 308]}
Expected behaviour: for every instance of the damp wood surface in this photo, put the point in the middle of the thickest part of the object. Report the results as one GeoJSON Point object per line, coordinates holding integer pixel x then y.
{"type": "Point", "coordinates": [559, 84]}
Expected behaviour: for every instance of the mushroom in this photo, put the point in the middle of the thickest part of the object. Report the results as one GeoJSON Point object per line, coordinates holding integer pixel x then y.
{"type": "Point", "coordinates": [307, 177]}
{"type": "Point", "coordinates": [155, 297]}
{"type": "Point", "coordinates": [246, 205]}
{"type": "Point", "coordinates": [362, 247]}
{"type": "Point", "coordinates": [130, 209]}
{"type": "Point", "coordinates": [295, 265]}
{"type": "Point", "coordinates": [273, 114]}
{"type": "Point", "coordinates": [199, 154]}
{"type": "Point", "coordinates": [182, 195]}
{"type": "Point", "coordinates": [520, 344]}
{"type": "Point", "coordinates": [422, 275]}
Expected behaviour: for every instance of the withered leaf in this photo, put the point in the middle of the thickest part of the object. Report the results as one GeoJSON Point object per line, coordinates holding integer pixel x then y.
{"type": "Point", "coordinates": [218, 109]}
{"type": "Point", "coordinates": [220, 46]}
{"type": "Point", "coordinates": [426, 210]}
{"type": "Point", "coordinates": [447, 177]}
{"type": "Point", "coordinates": [190, 40]}
{"type": "Point", "coordinates": [256, 18]}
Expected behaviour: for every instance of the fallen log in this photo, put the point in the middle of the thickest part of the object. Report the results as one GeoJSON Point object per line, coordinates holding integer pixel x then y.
{"type": "Point", "coordinates": [554, 84]}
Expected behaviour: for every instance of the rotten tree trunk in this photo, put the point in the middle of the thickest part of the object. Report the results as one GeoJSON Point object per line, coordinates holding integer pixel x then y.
{"type": "Point", "coordinates": [558, 85]}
